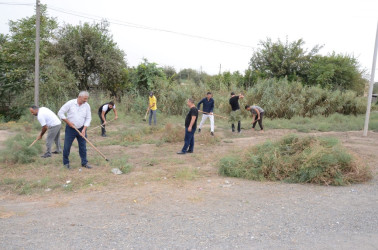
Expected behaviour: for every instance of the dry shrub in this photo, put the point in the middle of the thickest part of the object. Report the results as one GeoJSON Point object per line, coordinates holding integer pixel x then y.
{"type": "Point", "coordinates": [298, 160]}
{"type": "Point", "coordinates": [17, 149]}
{"type": "Point", "coordinates": [173, 133]}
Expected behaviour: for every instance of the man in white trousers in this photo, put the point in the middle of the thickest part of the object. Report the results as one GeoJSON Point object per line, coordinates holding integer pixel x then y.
{"type": "Point", "coordinates": [208, 108]}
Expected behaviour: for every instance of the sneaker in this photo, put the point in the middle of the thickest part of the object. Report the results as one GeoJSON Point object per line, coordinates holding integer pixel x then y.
{"type": "Point", "coordinates": [103, 135]}
{"type": "Point", "coordinates": [86, 166]}
{"type": "Point", "coordinates": [46, 155]}
{"type": "Point", "coordinates": [67, 166]}
{"type": "Point", "coordinates": [212, 133]}
{"type": "Point", "coordinates": [199, 130]}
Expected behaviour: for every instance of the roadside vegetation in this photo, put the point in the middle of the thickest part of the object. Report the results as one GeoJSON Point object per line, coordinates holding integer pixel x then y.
{"type": "Point", "coordinates": [297, 159]}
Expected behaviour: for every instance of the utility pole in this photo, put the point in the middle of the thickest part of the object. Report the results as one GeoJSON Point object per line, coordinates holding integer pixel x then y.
{"type": "Point", "coordinates": [367, 117]}
{"type": "Point", "coordinates": [37, 41]}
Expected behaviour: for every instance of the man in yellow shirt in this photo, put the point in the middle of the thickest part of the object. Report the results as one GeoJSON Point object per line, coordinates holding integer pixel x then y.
{"type": "Point", "coordinates": [152, 106]}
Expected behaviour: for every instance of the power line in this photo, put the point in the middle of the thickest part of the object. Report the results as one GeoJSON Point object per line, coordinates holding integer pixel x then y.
{"type": "Point", "coordinates": [10, 3]}
{"type": "Point", "coordinates": [139, 26]}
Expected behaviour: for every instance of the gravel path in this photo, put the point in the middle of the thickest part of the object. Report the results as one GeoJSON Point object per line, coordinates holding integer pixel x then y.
{"type": "Point", "coordinates": [208, 214]}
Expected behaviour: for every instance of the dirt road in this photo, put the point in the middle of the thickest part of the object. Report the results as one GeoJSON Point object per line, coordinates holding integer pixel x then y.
{"type": "Point", "coordinates": [210, 212]}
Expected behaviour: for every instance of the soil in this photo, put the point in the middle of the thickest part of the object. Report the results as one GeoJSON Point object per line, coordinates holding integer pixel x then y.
{"type": "Point", "coordinates": [157, 206]}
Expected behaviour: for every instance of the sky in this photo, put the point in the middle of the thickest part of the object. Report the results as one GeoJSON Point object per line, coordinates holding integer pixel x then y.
{"type": "Point", "coordinates": [222, 34]}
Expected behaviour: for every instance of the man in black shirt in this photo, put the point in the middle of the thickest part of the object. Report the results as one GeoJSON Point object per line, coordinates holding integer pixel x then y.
{"type": "Point", "coordinates": [103, 111]}
{"type": "Point", "coordinates": [235, 115]}
{"type": "Point", "coordinates": [190, 128]}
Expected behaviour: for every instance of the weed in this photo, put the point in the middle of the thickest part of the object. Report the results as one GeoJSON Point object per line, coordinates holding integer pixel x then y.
{"type": "Point", "coordinates": [299, 160]}
{"type": "Point", "coordinates": [18, 151]}
{"type": "Point", "coordinates": [186, 174]}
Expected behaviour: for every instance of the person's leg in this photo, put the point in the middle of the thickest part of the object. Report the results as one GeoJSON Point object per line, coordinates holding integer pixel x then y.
{"type": "Point", "coordinates": [69, 137]}
{"type": "Point", "coordinates": [239, 126]}
{"type": "Point", "coordinates": [52, 137]}
{"type": "Point", "coordinates": [49, 141]}
{"type": "Point", "coordinates": [191, 143]}
{"type": "Point", "coordinates": [150, 117]}
{"type": "Point", "coordinates": [204, 118]}
{"type": "Point", "coordinates": [82, 147]}
{"type": "Point", "coordinates": [186, 141]}
{"type": "Point", "coordinates": [233, 127]}
{"type": "Point", "coordinates": [211, 123]}
{"type": "Point", "coordinates": [102, 122]}
{"type": "Point", "coordinates": [260, 121]}
{"type": "Point", "coordinates": [57, 140]}
{"type": "Point", "coordinates": [154, 114]}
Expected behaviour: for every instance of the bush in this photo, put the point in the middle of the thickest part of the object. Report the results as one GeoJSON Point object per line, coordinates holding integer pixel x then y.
{"type": "Point", "coordinates": [18, 151]}
{"type": "Point", "coordinates": [297, 160]}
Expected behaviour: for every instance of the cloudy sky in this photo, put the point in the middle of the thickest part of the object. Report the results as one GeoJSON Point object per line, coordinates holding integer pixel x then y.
{"type": "Point", "coordinates": [204, 34]}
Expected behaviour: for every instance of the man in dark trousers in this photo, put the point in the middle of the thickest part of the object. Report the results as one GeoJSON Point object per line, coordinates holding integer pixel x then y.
{"type": "Point", "coordinates": [103, 111]}
{"type": "Point", "coordinates": [190, 128]}
{"type": "Point", "coordinates": [235, 115]}
{"type": "Point", "coordinates": [208, 108]}
{"type": "Point", "coordinates": [257, 114]}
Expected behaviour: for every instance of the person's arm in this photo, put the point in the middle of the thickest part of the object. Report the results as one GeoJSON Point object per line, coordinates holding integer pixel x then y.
{"type": "Point", "coordinates": [63, 110]}
{"type": "Point", "coordinates": [87, 121]}
{"type": "Point", "coordinates": [43, 131]}
{"type": "Point", "coordinates": [115, 113]}
{"type": "Point", "coordinates": [191, 123]}
{"type": "Point", "coordinates": [103, 117]}
{"type": "Point", "coordinates": [212, 108]}
{"type": "Point", "coordinates": [258, 114]}
{"type": "Point", "coordinates": [253, 118]}
{"type": "Point", "coordinates": [199, 104]}
{"type": "Point", "coordinates": [241, 96]}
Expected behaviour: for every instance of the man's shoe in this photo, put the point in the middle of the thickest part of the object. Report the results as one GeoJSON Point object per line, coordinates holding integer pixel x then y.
{"type": "Point", "coordinates": [86, 166]}
{"type": "Point", "coordinates": [180, 153]}
{"type": "Point", "coordinates": [190, 152]}
{"type": "Point", "coordinates": [103, 135]}
{"type": "Point", "coordinates": [212, 133]}
{"type": "Point", "coordinates": [46, 155]}
{"type": "Point", "coordinates": [67, 166]}
{"type": "Point", "coordinates": [199, 130]}
{"type": "Point", "coordinates": [56, 152]}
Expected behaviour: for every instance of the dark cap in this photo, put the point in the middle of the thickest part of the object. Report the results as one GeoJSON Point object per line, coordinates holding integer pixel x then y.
{"type": "Point", "coordinates": [151, 93]}
{"type": "Point", "coordinates": [232, 93]}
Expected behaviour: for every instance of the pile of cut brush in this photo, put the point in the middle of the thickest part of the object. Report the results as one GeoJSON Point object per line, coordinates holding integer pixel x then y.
{"type": "Point", "coordinates": [17, 150]}
{"type": "Point", "coordinates": [297, 159]}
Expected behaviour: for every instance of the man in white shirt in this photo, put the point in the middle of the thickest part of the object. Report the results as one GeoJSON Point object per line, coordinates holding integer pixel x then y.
{"type": "Point", "coordinates": [78, 116]}
{"type": "Point", "coordinates": [49, 121]}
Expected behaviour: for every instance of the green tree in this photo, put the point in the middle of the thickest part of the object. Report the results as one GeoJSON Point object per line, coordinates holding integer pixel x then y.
{"type": "Point", "coordinates": [146, 75]}
{"type": "Point", "coordinates": [90, 53]}
{"type": "Point", "coordinates": [279, 59]}
{"type": "Point", "coordinates": [336, 72]}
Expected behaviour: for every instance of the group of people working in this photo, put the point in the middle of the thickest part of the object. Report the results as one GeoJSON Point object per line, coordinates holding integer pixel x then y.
{"type": "Point", "coordinates": [76, 113]}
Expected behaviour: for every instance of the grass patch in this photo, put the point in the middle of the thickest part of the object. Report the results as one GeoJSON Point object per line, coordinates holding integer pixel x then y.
{"type": "Point", "coordinates": [334, 122]}
{"type": "Point", "coordinates": [186, 173]}
{"type": "Point", "coordinates": [121, 164]}
{"type": "Point", "coordinates": [297, 160]}
{"type": "Point", "coordinates": [18, 151]}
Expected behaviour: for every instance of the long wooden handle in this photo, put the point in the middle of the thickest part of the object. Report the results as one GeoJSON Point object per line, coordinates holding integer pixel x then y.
{"type": "Point", "coordinates": [99, 125]}
{"type": "Point", "coordinates": [213, 114]}
{"type": "Point", "coordinates": [85, 138]}
{"type": "Point", "coordinates": [145, 117]}
{"type": "Point", "coordinates": [33, 143]}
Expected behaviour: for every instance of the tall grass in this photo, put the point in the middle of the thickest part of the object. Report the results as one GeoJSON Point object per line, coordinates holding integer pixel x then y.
{"type": "Point", "coordinates": [17, 150]}
{"type": "Point", "coordinates": [298, 160]}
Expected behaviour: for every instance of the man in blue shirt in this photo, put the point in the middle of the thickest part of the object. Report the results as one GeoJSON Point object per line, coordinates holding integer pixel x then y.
{"type": "Point", "coordinates": [208, 108]}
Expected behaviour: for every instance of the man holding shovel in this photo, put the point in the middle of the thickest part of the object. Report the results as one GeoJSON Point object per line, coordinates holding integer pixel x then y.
{"type": "Point", "coordinates": [49, 121]}
{"type": "Point", "coordinates": [208, 108]}
{"type": "Point", "coordinates": [103, 111]}
{"type": "Point", "coordinates": [78, 117]}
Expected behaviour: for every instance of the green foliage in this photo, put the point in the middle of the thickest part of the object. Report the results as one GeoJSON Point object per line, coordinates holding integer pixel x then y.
{"type": "Point", "coordinates": [278, 59]}
{"type": "Point", "coordinates": [18, 151]}
{"type": "Point", "coordinates": [90, 53]}
{"type": "Point", "coordinates": [299, 160]}
{"type": "Point", "coordinates": [336, 72]}
{"type": "Point", "coordinates": [284, 99]}
{"type": "Point", "coordinates": [146, 75]}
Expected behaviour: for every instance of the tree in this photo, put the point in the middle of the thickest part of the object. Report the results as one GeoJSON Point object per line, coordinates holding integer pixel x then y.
{"type": "Point", "coordinates": [336, 71]}
{"type": "Point", "coordinates": [278, 59]}
{"type": "Point", "coordinates": [90, 53]}
{"type": "Point", "coordinates": [17, 61]}
{"type": "Point", "coordinates": [145, 76]}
